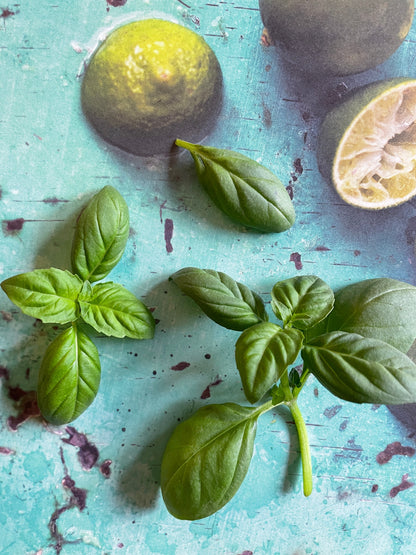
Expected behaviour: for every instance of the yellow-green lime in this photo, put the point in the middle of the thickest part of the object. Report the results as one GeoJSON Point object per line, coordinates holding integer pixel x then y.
{"type": "Point", "coordinates": [150, 82]}
{"type": "Point", "coordinates": [367, 144]}
{"type": "Point", "coordinates": [337, 37]}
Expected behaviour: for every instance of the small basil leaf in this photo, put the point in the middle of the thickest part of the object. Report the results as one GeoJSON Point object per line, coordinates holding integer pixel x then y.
{"type": "Point", "coordinates": [302, 301]}
{"type": "Point", "coordinates": [227, 302]}
{"type": "Point", "coordinates": [206, 459]}
{"type": "Point", "coordinates": [112, 310]}
{"type": "Point", "coordinates": [382, 308]}
{"type": "Point", "coordinates": [243, 189]}
{"type": "Point", "coordinates": [262, 354]}
{"type": "Point", "coordinates": [49, 295]}
{"type": "Point", "coordinates": [69, 377]}
{"type": "Point", "coordinates": [101, 235]}
{"type": "Point", "coordinates": [361, 369]}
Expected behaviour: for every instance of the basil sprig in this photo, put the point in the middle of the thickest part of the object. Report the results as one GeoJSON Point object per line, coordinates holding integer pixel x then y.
{"type": "Point", "coordinates": [343, 340]}
{"type": "Point", "coordinates": [70, 371]}
{"type": "Point", "coordinates": [247, 192]}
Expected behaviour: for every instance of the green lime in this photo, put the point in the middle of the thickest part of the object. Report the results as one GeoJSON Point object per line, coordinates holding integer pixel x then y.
{"type": "Point", "coordinates": [367, 144]}
{"type": "Point", "coordinates": [150, 82]}
{"type": "Point", "coordinates": [339, 37]}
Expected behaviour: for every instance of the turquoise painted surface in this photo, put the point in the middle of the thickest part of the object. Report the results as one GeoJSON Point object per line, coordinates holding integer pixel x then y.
{"type": "Point", "coordinates": [93, 488]}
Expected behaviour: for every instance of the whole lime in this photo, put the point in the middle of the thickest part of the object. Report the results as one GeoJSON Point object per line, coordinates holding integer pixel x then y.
{"type": "Point", "coordinates": [367, 144]}
{"type": "Point", "coordinates": [150, 82]}
{"type": "Point", "coordinates": [337, 37]}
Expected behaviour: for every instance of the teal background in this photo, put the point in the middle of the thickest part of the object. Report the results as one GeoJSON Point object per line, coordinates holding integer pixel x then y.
{"type": "Point", "coordinates": [51, 163]}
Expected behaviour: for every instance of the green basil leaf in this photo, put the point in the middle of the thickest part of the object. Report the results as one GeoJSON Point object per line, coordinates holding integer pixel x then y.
{"type": "Point", "coordinates": [206, 459]}
{"type": "Point", "coordinates": [229, 303]}
{"type": "Point", "coordinates": [69, 377]}
{"type": "Point", "coordinates": [112, 310]}
{"type": "Point", "coordinates": [302, 301]}
{"type": "Point", "coordinates": [262, 354]}
{"type": "Point", "coordinates": [101, 235]}
{"type": "Point", "coordinates": [382, 308]}
{"type": "Point", "coordinates": [361, 369]}
{"type": "Point", "coordinates": [243, 189]}
{"type": "Point", "coordinates": [49, 295]}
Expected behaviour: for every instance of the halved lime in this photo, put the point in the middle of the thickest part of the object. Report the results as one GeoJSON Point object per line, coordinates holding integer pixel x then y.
{"type": "Point", "coordinates": [367, 145]}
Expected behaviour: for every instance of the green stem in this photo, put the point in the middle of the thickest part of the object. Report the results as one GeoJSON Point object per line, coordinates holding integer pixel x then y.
{"type": "Point", "coordinates": [304, 447]}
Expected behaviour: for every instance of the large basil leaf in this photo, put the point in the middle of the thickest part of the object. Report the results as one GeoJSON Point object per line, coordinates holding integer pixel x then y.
{"type": "Point", "coordinates": [69, 377]}
{"type": "Point", "coordinates": [361, 369]}
{"type": "Point", "coordinates": [227, 302]}
{"type": "Point", "coordinates": [49, 295]}
{"type": "Point", "coordinates": [101, 235]}
{"type": "Point", "coordinates": [262, 353]}
{"type": "Point", "coordinates": [206, 459]}
{"type": "Point", "coordinates": [302, 301]}
{"type": "Point", "coordinates": [243, 189]}
{"type": "Point", "coordinates": [114, 311]}
{"type": "Point", "coordinates": [382, 308]}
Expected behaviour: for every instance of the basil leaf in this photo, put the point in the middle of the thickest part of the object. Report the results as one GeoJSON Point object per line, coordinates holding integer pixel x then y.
{"type": "Point", "coordinates": [262, 354]}
{"type": "Point", "coordinates": [229, 303]}
{"type": "Point", "coordinates": [114, 311]}
{"type": "Point", "coordinates": [302, 301]}
{"type": "Point", "coordinates": [101, 235]}
{"type": "Point", "coordinates": [69, 377]}
{"type": "Point", "coordinates": [382, 308]}
{"type": "Point", "coordinates": [206, 459]}
{"type": "Point", "coordinates": [243, 189]}
{"type": "Point", "coordinates": [361, 369]}
{"type": "Point", "coordinates": [49, 295]}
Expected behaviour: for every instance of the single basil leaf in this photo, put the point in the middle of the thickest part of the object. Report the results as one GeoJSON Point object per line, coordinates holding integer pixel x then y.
{"type": "Point", "coordinates": [206, 459]}
{"type": "Point", "coordinates": [101, 235]}
{"type": "Point", "coordinates": [361, 369]}
{"type": "Point", "coordinates": [243, 189]}
{"type": "Point", "coordinates": [69, 377]}
{"type": "Point", "coordinates": [229, 303]}
{"type": "Point", "coordinates": [302, 301]}
{"type": "Point", "coordinates": [114, 311]}
{"type": "Point", "coordinates": [262, 354]}
{"type": "Point", "coordinates": [49, 295]}
{"type": "Point", "coordinates": [382, 308]}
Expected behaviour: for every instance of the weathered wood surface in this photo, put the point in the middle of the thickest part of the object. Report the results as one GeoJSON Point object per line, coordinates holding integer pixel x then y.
{"type": "Point", "coordinates": [93, 487]}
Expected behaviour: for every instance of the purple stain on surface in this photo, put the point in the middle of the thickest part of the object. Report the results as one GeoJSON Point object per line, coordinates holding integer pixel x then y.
{"type": "Point", "coordinates": [297, 164]}
{"type": "Point", "coordinates": [26, 404]}
{"type": "Point", "coordinates": [395, 448]}
{"type": "Point", "coordinates": [78, 499]}
{"type": "Point", "coordinates": [267, 116]}
{"type": "Point", "coordinates": [53, 200]}
{"type": "Point", "coordinates": [87, 451]}
{"type": "Point", "coordinates": [404, 484]}
{"type": "Point", "coordinates": [6, 12]}
{"type": "Point", "coordinates": [168, 234]}
{"type": "Point", "coordinates": [374, 488]}
{"type": "Point", "coordinates": [116, 3]}
{"type": "Point", "coordinates": [296, 258]}
{"type": "Point", "coordinates": [6, 451]}
{"type": "Point", "coordinates": [4, 372]}
{"type": "Point", "coordinates": [105, 468]}
{"type": "Point", "coordinates": [180, 366]}
{"type": "Point", "coordinates": [206, 394]}
{"type": "Point", "coordinates": [6, 316]}
{"type": "Point", "coordinates": [330, 412]}
{"type": "Point", "coordinates": [11, 227]}
{"type": "Point", "coordinates": [322, 248]}
{"type": "Point", "coordinates": [289, 190]}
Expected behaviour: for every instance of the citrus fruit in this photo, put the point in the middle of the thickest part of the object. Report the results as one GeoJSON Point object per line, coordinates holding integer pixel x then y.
{"type": "Point", "coordinates": [367, 144]}
{"type": "Point", "coordinates": [339, 37]}
{"type": "Point", "coordinates": [149, 82]}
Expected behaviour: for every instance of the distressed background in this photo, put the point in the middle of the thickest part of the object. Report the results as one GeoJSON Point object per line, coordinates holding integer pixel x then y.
{"type": "Point", "coordinates": [93, 487]}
